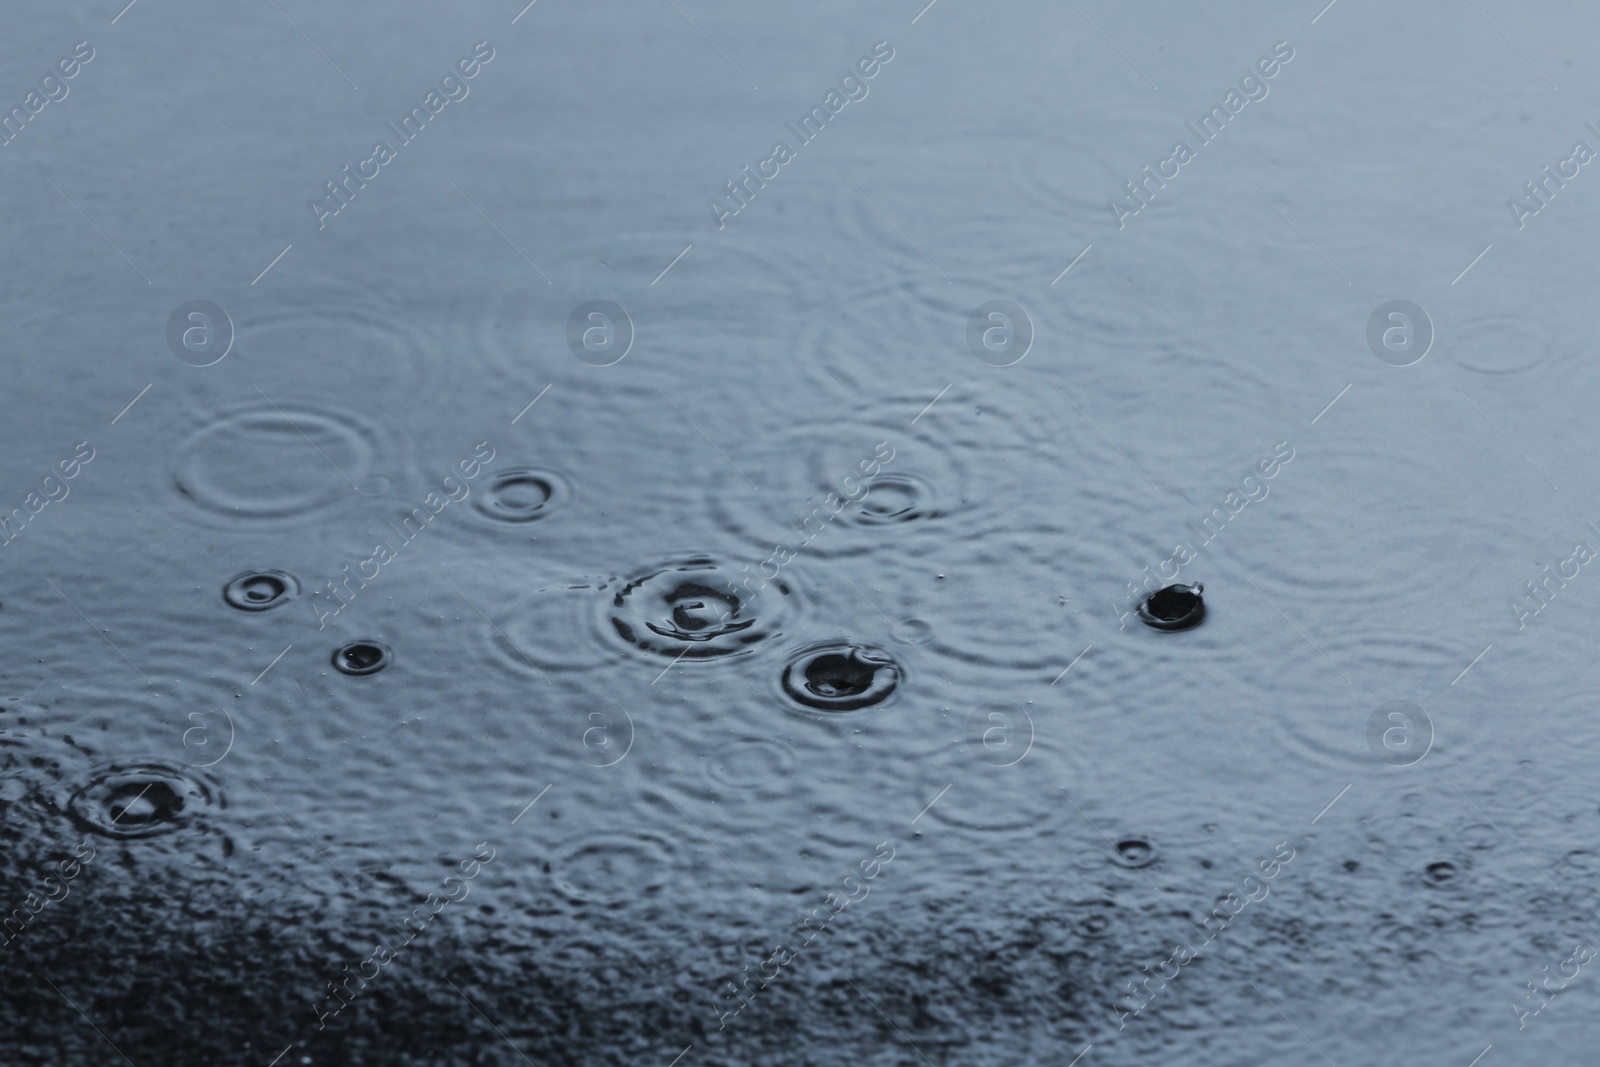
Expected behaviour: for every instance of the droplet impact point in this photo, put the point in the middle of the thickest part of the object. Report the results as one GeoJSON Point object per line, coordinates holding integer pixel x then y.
{"type": "Point", "coordinates": [1177, 607]}
{"type": "Point", "coordinates": [362, 657]}
{"type": "Point", "coordinates": [260, 590]}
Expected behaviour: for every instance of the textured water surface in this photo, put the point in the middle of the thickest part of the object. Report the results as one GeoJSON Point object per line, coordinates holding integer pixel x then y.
{"type": "Point", "coordinates": [581, 585]}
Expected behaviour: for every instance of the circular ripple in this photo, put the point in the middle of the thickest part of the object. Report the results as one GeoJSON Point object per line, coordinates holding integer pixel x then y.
{"type": "Point", "coordinates": [1407, 541]}
{"type": "Point", "coordinates": [325, 329]}
{"type": "Point", "coordinates": [840, 677]}
{"type": "Point", "coordinates": [836, 486]}
{"type": "Point", "coordinates": [1502, 344]}
{"type": "Point", "coordinates": [139, 800]}
{"type": "Point", "coordinates": [894, 497]}
{"type": "Point", "coordinates": [751, 767]}
{"type": "Point", "coordinates": [612, 870]}
{"type": "Point", "coordinates": [362, 657]}
{"type": "Point", "coordinates": [1007, 798]}
{"type": "Point", "coordinates": [693, 608]}
{"type": "Point", "coordinates": [1135, 852]}
{"type": "Point", "coordinates": [262, 462]}
{"type": "Point", "coordinates": [982, 614]}
{"type": "Point", "coordinates": [261, 590]}
{"type": "Point", "coordinates": [521, 494]}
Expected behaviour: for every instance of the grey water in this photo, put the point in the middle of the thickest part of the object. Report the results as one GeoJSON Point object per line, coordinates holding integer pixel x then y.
{"type": "Point", "coordinates": [616, 534]}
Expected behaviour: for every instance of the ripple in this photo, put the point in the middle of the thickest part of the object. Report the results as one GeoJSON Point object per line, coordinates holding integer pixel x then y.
{"type": "Point", "coordinates": [759, 767]}
{"type": "Point", "coordinates": [1502, 344]}
{"type": "Point", "coordinates": [613, 870]}
{"type": "Point", "coordinates": [1386, 665]}
{"type": "Point", "coordinates": [844, 487]}
{"type": "Point", "coordinates": [1016, 801]}
{"type": "Point", "coordinates": [341, 326]}
{"type": "Point", "coordinates": [264, 463]}
{"type": "Point", "coordinates": [561, 626]}
{"type": "Point", "coordinates": [1135, 852]}
{"type": "Point", "coordinates": [140, 800]}
{"type": "Point", "coordinates": [692, 608]}
{"type": "Point", "coordinates": [894, 498]}
{"type": "Point", "coordinates": [1000, 733]}
{"type": "Point", "coordinates": [988, 607]}
{"type": "Point", "coordinates": [362, 657]}
{"type": "Point", "coordinates": [997, 793]}
{"type": "Point", "coordinates": [261, 590]}
{"type": "Point", "coordinates": [1409, 536]}
{"type": "Point", "coordinates": [521, 494]}
{"type": "Point", "coordinates": [34, 763]}
{"type": "Point", "coordinates": [1067, 178]}
{"type": "Point", "coordinates": [840, 677]}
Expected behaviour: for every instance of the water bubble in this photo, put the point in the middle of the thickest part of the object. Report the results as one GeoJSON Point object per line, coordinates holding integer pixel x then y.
{"type": "Point", "coordinates": [362, 657]}
{"type": "Point", "coordinates": [260, 590]}
{"type": "Point", "coordinates": [139, 800]}
{"type": "Point", "coordinates": [691, 608]}
{"type": "Point", "coordinates": [1135, 852]}
{"type": "Point", "coordinates": [521, 494]}
{"type": "Point", "coordinates": [1176, 607]}
{"type": "Point", "coordinates": [840, 677]}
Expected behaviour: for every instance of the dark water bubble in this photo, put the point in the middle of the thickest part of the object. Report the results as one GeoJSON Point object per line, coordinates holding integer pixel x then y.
{"type": "Point", "coordinates": [1136, 852]}
{"type": "Point", "coordinates": [362, 657]}
{"type": "Point", "coordinates": [1176, 607]}
{"type": "Point", "coordinates": [1441, 873]}
{"type": "Point", "coordinates": [260, 590]}
{"type": "Point", "coordinates": [840, 677]}
{"type": "Point", "coordinates": [520, 494]}
{"type": "Point", "coordinates": [140, 800]}
{"type": "Point", "coordinates": [693, 608]}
